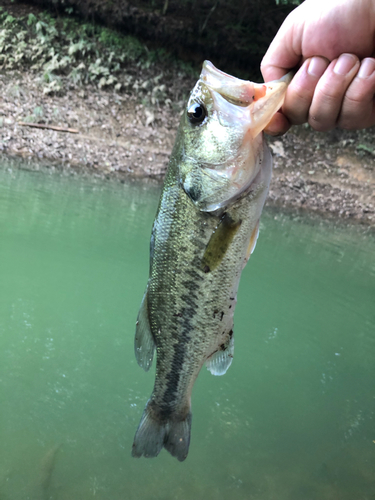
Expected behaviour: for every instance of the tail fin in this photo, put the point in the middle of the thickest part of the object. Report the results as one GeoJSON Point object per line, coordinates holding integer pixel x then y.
{"type": "Point", "coordinates": [152, 435]}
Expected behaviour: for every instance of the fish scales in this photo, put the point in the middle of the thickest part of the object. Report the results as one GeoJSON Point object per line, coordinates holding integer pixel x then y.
{"type": "Point", "coordinates": [201, 239]}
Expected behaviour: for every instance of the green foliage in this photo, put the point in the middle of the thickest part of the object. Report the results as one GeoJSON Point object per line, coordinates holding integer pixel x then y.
{"type": "Point", "coordinates": [36, 116]}
{"type": "Point", "coordinates": [31, 19]}
{"type": "Point", "coordinates": [364, 148]}
{"type": "Point", "coordinates": [64, 50]}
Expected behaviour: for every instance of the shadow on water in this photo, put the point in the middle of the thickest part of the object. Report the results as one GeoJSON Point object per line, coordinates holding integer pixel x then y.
{"type": "Point", "coordinates": [31, 479]}
{"type": "Point", "coordinates": [47, 467]}
{"type": "Point", "coordinates": [292, 419]}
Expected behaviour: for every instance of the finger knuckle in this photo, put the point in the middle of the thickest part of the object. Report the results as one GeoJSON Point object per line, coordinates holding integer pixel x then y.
{"type": "Point", "coordinates": [356, 111]}
{"type": "Point", "coordinates": [353, 119]}
{"type": "Point", "coordinates": [320, 123]}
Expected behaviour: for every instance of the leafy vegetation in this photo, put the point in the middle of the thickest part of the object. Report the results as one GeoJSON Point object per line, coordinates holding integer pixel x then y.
{"type": "Point", "coordinates": [63, 51]}
{"type": "Point", "coordinates": [365, 148]}
{"type": "Point", "coordinates": [233, 34]}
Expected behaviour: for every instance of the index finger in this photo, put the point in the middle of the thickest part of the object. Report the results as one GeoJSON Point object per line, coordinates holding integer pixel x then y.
{"type": "Point", "coordinates": [281, 56]}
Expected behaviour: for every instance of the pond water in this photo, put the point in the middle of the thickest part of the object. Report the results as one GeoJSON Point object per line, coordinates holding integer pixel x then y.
{"type": "Point", "coordinates": [294, 417]}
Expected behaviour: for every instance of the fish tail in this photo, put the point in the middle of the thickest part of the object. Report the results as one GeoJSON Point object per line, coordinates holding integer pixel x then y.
{"type": "Point", "coordinates": [152, 435]}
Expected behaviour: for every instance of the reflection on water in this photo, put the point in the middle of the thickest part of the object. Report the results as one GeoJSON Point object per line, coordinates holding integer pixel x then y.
{"type": "Point", "coordinates": [292, 419]}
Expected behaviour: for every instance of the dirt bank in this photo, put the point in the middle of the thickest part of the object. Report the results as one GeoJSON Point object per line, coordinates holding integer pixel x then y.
{"type": "Point", "coordinates": [331, 173]}
{"type": "Point", "coordinates": [126, 119]}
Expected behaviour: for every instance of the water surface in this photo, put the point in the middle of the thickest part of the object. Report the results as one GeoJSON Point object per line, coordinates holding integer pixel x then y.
{"type": "Point", "coordinates": [292, 419]}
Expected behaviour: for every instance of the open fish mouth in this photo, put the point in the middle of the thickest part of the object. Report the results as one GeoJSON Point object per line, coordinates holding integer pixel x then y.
{"type": "Point", "coordinates": [241, 92]}
{"type": "Point", "coordinates": [236, 91]}
{"type": "Point", "coordinates": [262, 99]}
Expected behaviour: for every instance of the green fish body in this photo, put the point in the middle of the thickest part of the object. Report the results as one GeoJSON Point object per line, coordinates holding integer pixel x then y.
{"type": "Point", "coordinates": [205, 229]}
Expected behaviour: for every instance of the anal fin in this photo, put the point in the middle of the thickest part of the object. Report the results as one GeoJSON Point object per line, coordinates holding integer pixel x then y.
{"type": "Point", "coordinates": [144, 343]}
{"type": "Point", "coordinates": [221, 360]}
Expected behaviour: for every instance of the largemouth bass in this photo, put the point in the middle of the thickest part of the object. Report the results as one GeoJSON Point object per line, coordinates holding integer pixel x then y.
{"type": "Point", "coordinates": [205, 229]}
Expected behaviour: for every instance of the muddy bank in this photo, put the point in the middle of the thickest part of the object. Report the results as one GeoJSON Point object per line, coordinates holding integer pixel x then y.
{"type": "Point", "coordinates": [330, 173]}
{"type": "Point", "coordinates": [118, 136]}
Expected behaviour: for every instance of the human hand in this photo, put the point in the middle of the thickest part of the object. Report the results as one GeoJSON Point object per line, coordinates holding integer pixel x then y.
{"type": "Point", "coordinates": [333, 42]}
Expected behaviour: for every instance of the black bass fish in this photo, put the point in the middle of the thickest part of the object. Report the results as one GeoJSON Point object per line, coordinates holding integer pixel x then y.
{"type": "Point", "coordinates": [205, 229]}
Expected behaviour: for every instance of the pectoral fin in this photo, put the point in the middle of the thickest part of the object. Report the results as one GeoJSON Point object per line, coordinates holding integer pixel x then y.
{"type": "Point", "coordinates": [219, 242]}
{"type": "Point", "coordinates": [221, 360]}
{"type": "Point", "coordinates": [252, 242]}
{"type": "Point", "coordinates": [144, 343]}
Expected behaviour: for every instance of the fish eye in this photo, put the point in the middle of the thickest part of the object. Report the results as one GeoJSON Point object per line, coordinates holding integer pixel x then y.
{"type": "Point", "coordinates": [196, 113]}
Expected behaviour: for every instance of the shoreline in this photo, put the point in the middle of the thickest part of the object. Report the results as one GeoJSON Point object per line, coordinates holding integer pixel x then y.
{"type": "Point", "coordinates": [331, 174]}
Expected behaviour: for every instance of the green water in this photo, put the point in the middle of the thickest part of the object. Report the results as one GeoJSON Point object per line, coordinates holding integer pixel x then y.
{"type": "Point", "coordinates": [294, 417]}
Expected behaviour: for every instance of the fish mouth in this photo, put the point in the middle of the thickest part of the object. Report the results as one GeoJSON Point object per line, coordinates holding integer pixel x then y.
{"type": "Point", "coordinates": [262, 99]}
{"type": "Point", "coordinates": [234, 90]}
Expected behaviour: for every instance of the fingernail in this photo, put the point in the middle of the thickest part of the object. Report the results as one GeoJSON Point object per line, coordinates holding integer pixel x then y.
{"type": "Point", "coordinates": [344, 64]}
{"type": "Point", "coordinates": [367, 68]}
{"type": "Point", "coordinates": [317, 66]}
